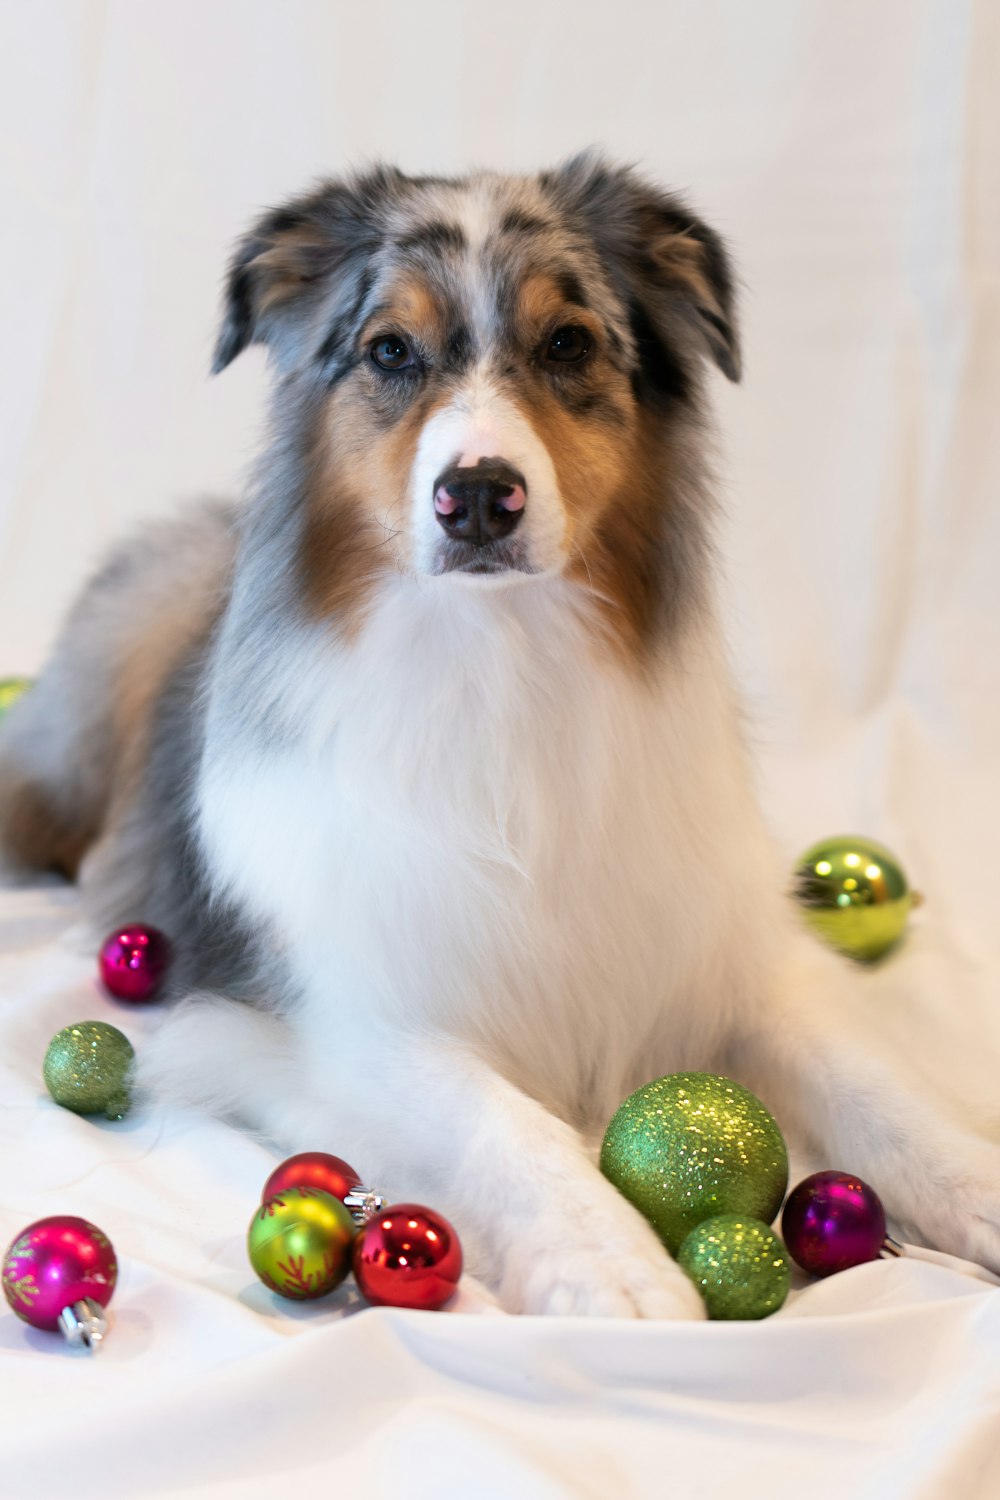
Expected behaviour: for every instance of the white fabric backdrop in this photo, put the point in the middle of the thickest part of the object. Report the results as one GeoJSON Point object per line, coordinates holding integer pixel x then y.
{"type": "Point", "coordinates": [851, 153]}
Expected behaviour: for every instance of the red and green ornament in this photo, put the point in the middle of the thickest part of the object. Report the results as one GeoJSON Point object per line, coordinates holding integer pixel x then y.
{"type": "Point", "coordinates": [299, 1242]}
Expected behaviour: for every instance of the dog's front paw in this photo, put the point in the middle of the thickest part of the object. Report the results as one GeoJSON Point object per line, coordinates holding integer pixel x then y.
{"type": "Point", "coordinates": [963, 1218]}
{"type": "Point", "coordinates": [623, 1273]}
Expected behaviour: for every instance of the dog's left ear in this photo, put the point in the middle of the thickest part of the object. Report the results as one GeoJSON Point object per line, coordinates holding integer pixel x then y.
{"type": "Point", "coordinates": [671, 267]}
{"type": "Point", "coordinates": [688, 260]}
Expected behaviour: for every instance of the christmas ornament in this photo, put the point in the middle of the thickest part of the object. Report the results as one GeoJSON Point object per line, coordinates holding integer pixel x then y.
{"type": "Point", "coordinates": [333, 1175]}
{"type": "Point", "coordinates": [134, 962]}
{"type": "Point", "coordinates": [854, 894]}
{"type": "Point", "coordinates": [12, 688]}
{"type": "Point", "coordinates": [738, 1264]}
{"type": "Point", "coordinates": [691, 1145]}
{"type": "Point", "coordinates": [86, 1069]}
{"type": "Point", "coordinates": [59, 1273]}
{"type": "Point", "coordinates": [408, 1256]}
{"type": "Point", "coordinates": [833, 1221]}
{"type": "Point", "coordinates": [300, 1242]}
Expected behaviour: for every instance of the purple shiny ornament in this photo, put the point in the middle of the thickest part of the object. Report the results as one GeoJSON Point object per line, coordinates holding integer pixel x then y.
{"type": "Point", "coordinates": [833, 1221]}
{"type": "Point", "coordinates": [58, 1274]}
{"type": "Point", "coordinates": [133, 961]}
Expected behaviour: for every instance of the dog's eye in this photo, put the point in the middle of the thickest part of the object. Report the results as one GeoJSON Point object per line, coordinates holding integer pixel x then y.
{"type": "Point", "coordinates": [390, 353]}
{"type": "Point", "coordinates": [569, 345]}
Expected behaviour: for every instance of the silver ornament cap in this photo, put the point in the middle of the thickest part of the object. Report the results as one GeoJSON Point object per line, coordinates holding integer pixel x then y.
{"type": "Point", "coordinates": [83, 1324]}
{"type": "Point", "coordinates": [363, 1204]}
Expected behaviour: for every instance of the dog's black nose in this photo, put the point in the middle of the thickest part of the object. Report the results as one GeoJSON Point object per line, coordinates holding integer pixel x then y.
{"type": "Point", "coordinates": [480, 504]}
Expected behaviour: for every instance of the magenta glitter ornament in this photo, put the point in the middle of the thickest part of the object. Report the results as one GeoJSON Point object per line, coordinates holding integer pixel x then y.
{"type": "Point", "coordinates": [833, 1221]}
{"type": "Point", "coordinates": [58, 1274]}
{"type": "Point", "coordinates": [134, 961]}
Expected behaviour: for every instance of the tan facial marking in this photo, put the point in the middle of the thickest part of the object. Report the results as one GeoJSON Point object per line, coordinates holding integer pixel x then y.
{"type": "Point", "coordinates": [615, 477]}
{"type": "Point", "coordinates": [355, 526]}
{"type": "Point", "coordinates": [621, 556]}
{"type": "Point", "coordinates": [541, 306]}
{"type": "Point", "coordinates": [614, 481]}
{"type": "Point", "coordinates": [409, 308]}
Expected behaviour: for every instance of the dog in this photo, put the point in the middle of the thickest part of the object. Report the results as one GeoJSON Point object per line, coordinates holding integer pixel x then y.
{"type": "Point", "coordinates": [428, 755]}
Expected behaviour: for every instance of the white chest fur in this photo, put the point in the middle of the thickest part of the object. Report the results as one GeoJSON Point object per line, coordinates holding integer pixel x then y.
{"type": "Point", "coordinates": [474, 819]}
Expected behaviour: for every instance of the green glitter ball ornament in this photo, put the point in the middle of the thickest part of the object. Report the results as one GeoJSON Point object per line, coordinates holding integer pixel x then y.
{"type": "Point", "coordinates": [86, 1069]}
{"type": "Point", "coordinates": [854, 895]}
{"type": "Point", "coordinates": [12, 688]}
{"type": "Point", "coordinates": [738, 1264]}
{"type": "Point", "coordinates": [299, 1242]}
{"type": "Point", "coordinates": [692, 1145]}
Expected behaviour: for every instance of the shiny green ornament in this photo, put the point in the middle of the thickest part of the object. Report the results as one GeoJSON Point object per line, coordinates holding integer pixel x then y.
{"type": "Point", "coordinates": [739, 1265]}
{"type": "Point", "coordinates": [692, 1145]}
{"type": "Point", "coordinates": [853, 893]}
{"type": "Point", "coordinates": [299, 1242]}
{"type": "Point", "coordinates": [12, 688]}
{"type": "Point", "coordinates": [86, 1069]}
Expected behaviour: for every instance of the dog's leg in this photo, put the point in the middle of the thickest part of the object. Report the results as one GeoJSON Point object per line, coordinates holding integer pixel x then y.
{"type": "Point", "coordinates": [549, 1231]}
{"type": "Point", "coordinates": [427, 1119]}
{"type": "Point", "coordinates": [815, 1061]}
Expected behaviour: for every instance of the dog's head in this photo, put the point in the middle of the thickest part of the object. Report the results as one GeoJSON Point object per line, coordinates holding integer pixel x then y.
{"type": "Point", "coordinates": [487, 378]}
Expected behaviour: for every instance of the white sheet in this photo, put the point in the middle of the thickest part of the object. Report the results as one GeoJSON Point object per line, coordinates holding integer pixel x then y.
{"type": "Point", "coordinates": [852, 154]}
{"type": "Point", "coordinates": [881, 1382]}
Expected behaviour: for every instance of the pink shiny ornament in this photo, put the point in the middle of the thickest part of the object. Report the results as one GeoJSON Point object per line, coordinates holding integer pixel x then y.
{"type": "Point", "coordinates": [315, 1169]}
{"type": "Point", "coordinates": [407, 1256]}
{"type": "Point", "coordinates": [833, 1221]}
{"type": "Point", "coordinates": [58, 1273]}
{"type": "Point", "coordinates": [134, 961]}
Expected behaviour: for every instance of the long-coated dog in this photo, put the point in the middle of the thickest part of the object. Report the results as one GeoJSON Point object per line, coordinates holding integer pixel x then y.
{"type": "Point", "coordinates": [429, 752]}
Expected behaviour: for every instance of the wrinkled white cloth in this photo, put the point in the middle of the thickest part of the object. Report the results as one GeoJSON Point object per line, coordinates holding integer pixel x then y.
{"type": "Point", "coordinates": [851, 154]}
{"type": "Point", "coordinates": [882, 1382]}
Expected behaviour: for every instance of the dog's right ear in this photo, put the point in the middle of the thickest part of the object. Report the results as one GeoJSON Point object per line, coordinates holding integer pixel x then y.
{"type": "Point", "coordinates": [273, 266]}
{"type": "Point", "coordinates": [284, 269]}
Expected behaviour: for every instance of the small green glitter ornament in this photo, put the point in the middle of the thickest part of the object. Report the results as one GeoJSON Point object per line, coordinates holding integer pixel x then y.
{"type": "Point", "coordinates": [692, 1145]}
{"type": "Point", "coordinates": [854, 895]}
{"type": "Point", "coordinates": [86, 1069]}
{"type": "Point", "coordinates": [12, 688]}
{"type": "Point", "coordinates": [739, 1265]}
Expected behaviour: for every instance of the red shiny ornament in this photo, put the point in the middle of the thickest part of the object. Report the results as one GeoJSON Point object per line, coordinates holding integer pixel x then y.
{"type": "Point", "coordinates": [408, 1256]}
{"type": "Point", "coordinates": [134, 962]}
{"type": "Point", "coordinates": [315, 1169]}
